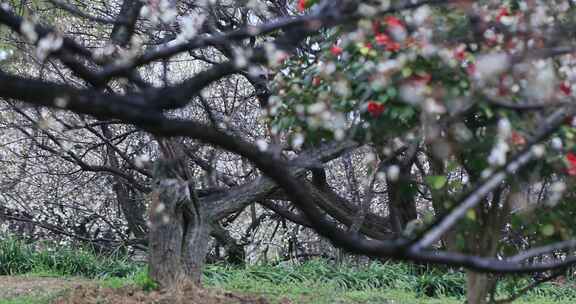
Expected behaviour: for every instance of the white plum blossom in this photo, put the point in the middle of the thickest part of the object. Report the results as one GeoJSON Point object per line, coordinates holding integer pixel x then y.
{"type": "Point", "coordinates": [393, 173]}
{"type": "Point", "coordinates": [100, 54]}
{"type": "Point", "coordinates": [316, 108]}
{"type": "Point", "coordinates": [274, 104]}
{"type": "Point", "coordinates": [486, 173]}
{"type": "Point", "coordinates": [432, 106]}
{"type": "Point", "coordinates": [160, 208]}
{"type": "Point", "coordinates": [5, 54]}
{"type": "Point", "coordinates": [61, 102]}
{"type": "Point", "coordinates": [189, 27]}
{"type": "Point", "coordinates": [298, 140]}
{"type": "Point", "coordinates": [256, 5]}
{"type": "Point", "coordinates": [141, 160]}
{"type": "Point", "coordinates": [342, 88]}
{"type": "Point", "coordinates": [399, 33]}
{"type": "Point", "coordinates": [262, 145]}
{"type": "Point", "coordinates": [538, 151]}
{"type": "Point", "coordinates": [240, 57]}
{"type": "Point", "coordinates": [159, 11]}
{"type": "Point", "coordinates": [539, 17]}
{"type": "Point", "coordinates": [384, 4]}
{"type": "Point", "coordinates": [27, 28]}
{"type": "Point", "coordinates": [557, 143]}
{"type": "Point", "coordinates": [48, 44]}
{"type": "Point", "coordinates": [490, 65]}
{"type": "Point", "coordinates": [326, 68]}
{"type": "Point", "coordinates": [421, 14]}
{"type": "Point", "coordinates": [381, 176]}
{"type": "Point", "coordinates": [274, 55]}
{"type": "Point", "coordinates": [504, 128]}
{"type": "Point", "coordinates": [542, 81]}
{"type": "Point", "coordinates": [497, 156]}
{"type": "Point", "coordinates": [367, 10]}
{"type": "Point", "coordinates": [556, 192]}
{"type": "Point", "coordinates": [413, 93]}
{"type": "Point", "coordinates": [339, 134]}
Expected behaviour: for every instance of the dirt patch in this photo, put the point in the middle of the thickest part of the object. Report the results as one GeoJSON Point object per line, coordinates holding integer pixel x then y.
{"type": "Point", "coordinates": [189, 294]}
{"type": "Point", "coordinates": [17, 286]}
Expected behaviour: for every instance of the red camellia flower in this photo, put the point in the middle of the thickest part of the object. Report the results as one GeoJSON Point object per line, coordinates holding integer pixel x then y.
{"type": "Point", "coordinates": [423, 79]}
{"type": "Point", "coordinates": [460, 53]}
{"type": "Point", "coordinates": [336, 50]}
{"type": "Point", "coordinates": [385, 40]}
{"type": "Point", "coordinates": [316, 81]}
{"type": "Point", "coordinates": [565, 88]}
{"type": "Point", "coordinates": [393, 47]}
{"type": "Point", "coordinates": [471, 69]}
{"type": "Point", "coordinates": [382, 39]}
{"type": "Point", "coordinates": [392, 21]}
{"type": "Point", "coordinates": [302, 5]}
{"type": "Point", "coordinates": [504, 12]}
{"type": "Point", "coordinates": [570, 121]}
{"type": "Point", "coordinates": [375, 109]}
{"type": "Point", "coordinates": [518, 139]}
{"type": "Point", "coordinates": [376, 27]}
{"type": "Point", "coordinates": [571, 158]}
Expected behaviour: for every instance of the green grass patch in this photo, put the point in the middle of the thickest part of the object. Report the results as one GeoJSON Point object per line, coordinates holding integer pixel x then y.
{"type": "Point", "coordinates": [18, 257]}
{"type": "Point", "coordinates": [315, 281]}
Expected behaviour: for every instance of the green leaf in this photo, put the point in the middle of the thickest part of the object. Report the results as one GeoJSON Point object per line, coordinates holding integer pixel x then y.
{"type": "Point", "coordinates": [437, 182]}
{"type": "Point", "coordinates": [406, 72]}
{"type": "Point", "coordinates": [471, 215]}
{"type": "Point", "coordinates": [547, 230]}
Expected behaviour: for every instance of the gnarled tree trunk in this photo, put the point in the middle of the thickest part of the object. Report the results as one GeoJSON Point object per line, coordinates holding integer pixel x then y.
{"type": "Point", "coordinates": [179, 229]}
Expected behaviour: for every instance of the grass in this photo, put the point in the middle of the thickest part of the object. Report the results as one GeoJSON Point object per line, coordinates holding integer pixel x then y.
{"type": "Point", "coordinates": [319, 282]}
{"type": "Point", "coordinates": [18, 257]}
{"type": "Point", "coordinates": [312, 282]}
{"type": "Point", "coordinates": [28, 300]}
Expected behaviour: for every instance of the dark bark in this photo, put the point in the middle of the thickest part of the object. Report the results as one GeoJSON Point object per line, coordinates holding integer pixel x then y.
{"type": "Point", "coordinates": [179, 229]}
{"type": "Point", "coordinates": [235, 253]}
{"type": "Point", "coordinates": [130, 204]}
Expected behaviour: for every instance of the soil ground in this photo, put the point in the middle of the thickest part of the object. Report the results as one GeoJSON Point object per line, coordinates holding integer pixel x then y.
{"type": "Point", "coordinates": [79, 291]}
{"type": "Point", "coordinates": [18, 286]}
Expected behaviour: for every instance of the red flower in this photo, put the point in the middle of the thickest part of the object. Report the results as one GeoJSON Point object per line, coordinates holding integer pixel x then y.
{"type": "Point", "coordinates": [392, 21]}
{"type": "Point", "coordinates": [302, 5]}
{"type": "Point", "coordinates": [336, 50]}
{"type": "Point", "coordinates": [460, 53]}
{"type": "Point", "coordinates": [471, 69]}
{"type": "Point", "coordinates": [375, 109]}
{"type": "Point", "coordinates": [566, 88]}
{"type": "Point", "coordinates": [504, 12]}
{"type": "Point", "coordinates": [393, 47]}
{"type": "Point", "coordinates": [376, 27]}
{"type": "Point", "coordinates": [518, 139]}
{"type": "Point", "coordinates": [385, 40]}
{"type": "Point", "coordinates": [316, 81]}
{"type": "Point", "coordinates": [571, 158]}
{"type": "Point", "coordinates": [368, 45]}
{"type": "Point", "coordinates": [421, 78]}
{"type": "Point", "coordinates": [502, 87]}
{"type": "Point", "coordinates": [382, 39]}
